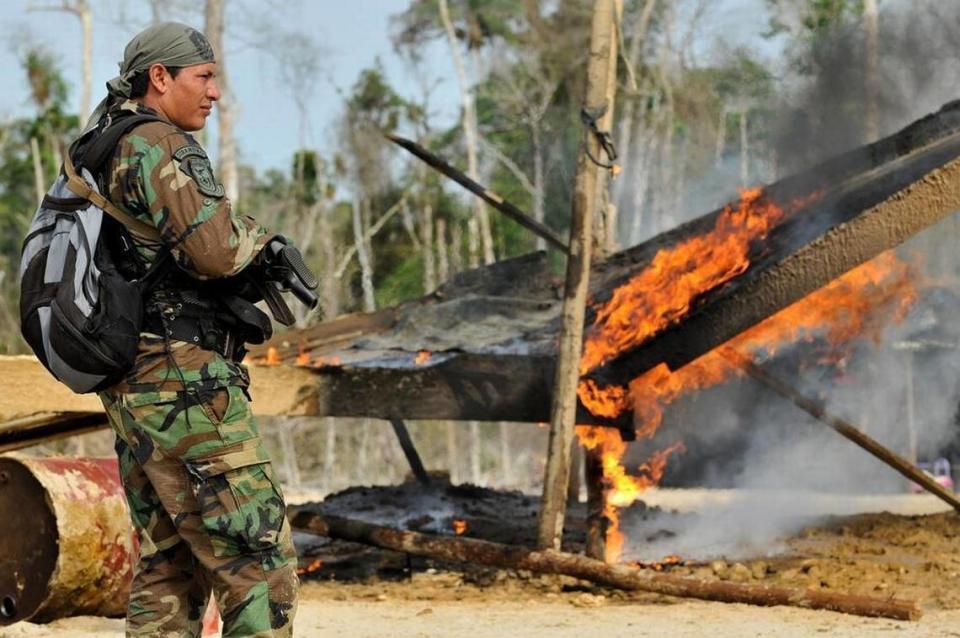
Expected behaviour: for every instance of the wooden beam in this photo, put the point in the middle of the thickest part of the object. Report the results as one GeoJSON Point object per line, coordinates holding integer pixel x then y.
{"type": "Point", "coordinates": [458, 548]}
{"type": "Point", "coordinates": [43, 428]}
{"type": "Point", "coordinates": [843, 427]}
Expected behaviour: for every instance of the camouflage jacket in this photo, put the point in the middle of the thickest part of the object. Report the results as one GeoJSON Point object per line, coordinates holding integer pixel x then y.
{"type": "Point", "coordinates": [160, 175]}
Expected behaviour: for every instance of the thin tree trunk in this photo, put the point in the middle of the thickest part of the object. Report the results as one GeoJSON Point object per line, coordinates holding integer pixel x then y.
{"type": "Point", "coordinates": [473, 243]}
{"type": "Point", "coordinates": [366, 270]}
{"type": "Point", "coordinates": [608, 243]}
{"type": "Point", "coordinates": [82, 9]}
{"type": "Point", "coordinates": [744, 151]}
{"type": "Point", "coordinates": [470, 133]}
{"type": "Point", "coordinates": [505, 456]}
{"type": "Point", "coordinates": [329, 453]}
{"type": "Point", "coordinates": [286, 433]}
{"type": "Point", "coordinates": [539, 182]}
{"type": "Point", "coordinates": [475, 443]}
{"type": "Point", "coordinates": [426, 243]}
{"type": "Point", "coordinates": [214, 29]}
{"type": "Point", "coordinates": [456, 248]}
{"type": "Point", "coordinates": [721, 138]}
{"type": "Point", "coordinates": [625, 142]}
{"type": "Point", "coordinates": [443, 259]}
{"type": "Point", "coordinates": [39, 181]}
{"type": "Point", "coordinates": [329, 282]}
{"type": "Point", "coordinates": [155, 13]}
{"type": "Point", "coordinates": [641, 175]}
{"type": "Point", "coordinates": [453, 465]}
{"type": "Point", "coordinates": [361, 471]}
{"type": "Point", "coordinates": [871, 24]}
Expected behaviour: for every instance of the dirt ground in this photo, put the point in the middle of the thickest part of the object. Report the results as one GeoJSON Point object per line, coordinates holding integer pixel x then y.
{"type": "Point", "coordinates": [904, 555]}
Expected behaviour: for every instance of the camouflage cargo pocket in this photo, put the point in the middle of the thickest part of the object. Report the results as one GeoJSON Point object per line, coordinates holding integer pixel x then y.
{"type": "Point", "coordinates": [239, 499]}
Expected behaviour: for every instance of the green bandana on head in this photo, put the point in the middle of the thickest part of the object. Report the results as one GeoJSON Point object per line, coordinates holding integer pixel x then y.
{"type": "Point", "coordinates": [168, 43]}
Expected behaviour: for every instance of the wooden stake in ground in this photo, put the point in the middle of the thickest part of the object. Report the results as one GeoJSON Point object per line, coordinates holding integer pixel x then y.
{"type": "Point", "coordinates": [618, 576]}
{"type": "Point", "coordinates": [604, 244]}
{"type": "Point", "coordinates": [843, 427]}
{"type": "Point", "coordinates": [563, 409]}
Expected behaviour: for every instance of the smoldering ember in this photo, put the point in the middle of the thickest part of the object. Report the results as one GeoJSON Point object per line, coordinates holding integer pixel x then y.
{"type": "Point", "coordinates": [757, 405]}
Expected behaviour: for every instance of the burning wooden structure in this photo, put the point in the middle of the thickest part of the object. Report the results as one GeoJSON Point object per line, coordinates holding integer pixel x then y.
{"type": "Point", "coordinates": [482, 347]}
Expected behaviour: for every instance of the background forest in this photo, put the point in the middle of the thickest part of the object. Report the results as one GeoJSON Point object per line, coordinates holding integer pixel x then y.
{"type": "Point", "coordinates": [698, 116]}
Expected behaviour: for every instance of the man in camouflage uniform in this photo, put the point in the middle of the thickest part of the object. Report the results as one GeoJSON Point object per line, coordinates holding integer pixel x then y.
{"type": "Point", "coordinates": [202, 493]}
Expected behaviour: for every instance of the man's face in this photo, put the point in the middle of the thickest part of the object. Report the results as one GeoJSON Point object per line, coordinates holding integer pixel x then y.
{"type": "Point", "coordinates": [189, 97]}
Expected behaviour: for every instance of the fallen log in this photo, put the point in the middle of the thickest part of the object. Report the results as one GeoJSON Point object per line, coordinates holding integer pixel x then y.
{"type": "Point", "coordinates": [619, 576]}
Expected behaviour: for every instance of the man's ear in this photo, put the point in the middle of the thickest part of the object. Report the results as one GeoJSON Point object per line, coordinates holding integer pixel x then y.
{"type": "Point", "coordinates": [159, 78]}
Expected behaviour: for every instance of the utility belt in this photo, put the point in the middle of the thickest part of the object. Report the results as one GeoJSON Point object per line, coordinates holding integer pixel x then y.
{"type": "Point", "coordinates": [209, 334]}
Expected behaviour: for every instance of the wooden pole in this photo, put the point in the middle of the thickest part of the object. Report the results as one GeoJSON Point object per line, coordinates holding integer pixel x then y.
{"type": "Point", "coordinates": [410, 450]}
{"type": "Point", "coordinates": [596, 519]}
{"type": "Point", "coordinates": [564, 402]}
{"type": "Point", "coordinates": [458, 548]}
{"type": "Point", "coordinates": [845, 428]}
{"type": "Point", "coordinates": [604, 244]}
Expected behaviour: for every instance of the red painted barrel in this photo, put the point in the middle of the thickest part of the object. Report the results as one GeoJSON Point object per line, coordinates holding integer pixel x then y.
{"type": "Point", "coordinates": [66, 543]}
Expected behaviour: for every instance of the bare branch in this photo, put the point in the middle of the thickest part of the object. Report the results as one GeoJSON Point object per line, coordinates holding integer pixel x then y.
{"type": "Point", "coordinates": [510, 165]}
{"type": "Point", "coordinates": [371, 232]}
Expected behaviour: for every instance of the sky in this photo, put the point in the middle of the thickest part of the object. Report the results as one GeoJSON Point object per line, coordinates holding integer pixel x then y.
{"type": "Point", "coordinates": [352, 36]}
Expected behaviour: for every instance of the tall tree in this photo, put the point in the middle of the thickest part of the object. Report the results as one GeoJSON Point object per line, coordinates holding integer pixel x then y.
{"type": "Point", "coordinates": [227, 155]}
{"type": "Point", "coordinates": [80, 9]}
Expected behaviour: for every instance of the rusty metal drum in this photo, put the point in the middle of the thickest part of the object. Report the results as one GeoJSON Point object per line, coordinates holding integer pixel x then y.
{"type": "Point", "coordinates": [66, 543]}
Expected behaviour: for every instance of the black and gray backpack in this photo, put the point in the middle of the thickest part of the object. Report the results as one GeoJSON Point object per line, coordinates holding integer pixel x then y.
{"type": "Point", "coordinates": [80, 316]}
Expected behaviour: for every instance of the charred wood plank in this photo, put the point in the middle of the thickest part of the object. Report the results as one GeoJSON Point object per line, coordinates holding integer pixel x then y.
{"type": "Point", "coordinates": [455, 386]}
{"type": "Point", "coordinates": [618, 576]}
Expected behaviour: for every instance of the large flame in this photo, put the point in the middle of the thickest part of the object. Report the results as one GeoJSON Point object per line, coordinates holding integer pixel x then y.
{"type": "Point", "coordinates": [664, 290]}
{"type": "Point", "coordinates": [858, 304]}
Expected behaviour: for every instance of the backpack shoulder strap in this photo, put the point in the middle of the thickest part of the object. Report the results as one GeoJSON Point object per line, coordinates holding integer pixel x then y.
{"type": "Point", "coordinates": [93, 157]}
{"type": "Point", "coordinates": [80, 187]}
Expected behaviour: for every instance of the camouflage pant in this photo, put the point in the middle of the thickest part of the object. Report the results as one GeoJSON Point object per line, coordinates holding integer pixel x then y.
{"type": "Point", "coordinates": [209, 512]}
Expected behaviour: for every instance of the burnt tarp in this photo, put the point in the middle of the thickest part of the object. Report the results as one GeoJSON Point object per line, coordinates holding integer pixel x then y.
{"type": "Point", "coordinates": [483, 346]}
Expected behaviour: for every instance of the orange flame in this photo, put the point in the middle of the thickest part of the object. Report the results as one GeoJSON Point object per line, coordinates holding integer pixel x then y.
{"type": "Point", "coordinates": [273, 357]}
{"type": "Point", "coordinates": [664, 290]}
{"type": "Point", "coordinates": [323, 362]}
{"type": "Point", "coordinates": [459, 526]}
{"type": "Point", "coordinates": [422, 357]}
{"type": "Point", "coordinates": [303, 358]}
{"type": "Point", "coordinates": [859, 304]}
{"type": "Point", "coordinates": [312, 567]}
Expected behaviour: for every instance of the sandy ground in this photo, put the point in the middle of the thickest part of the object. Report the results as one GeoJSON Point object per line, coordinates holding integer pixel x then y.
{"type": "Point", "coordinates": [909, 554]}
{"type": "Point", "coordinates": [372, 612]}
